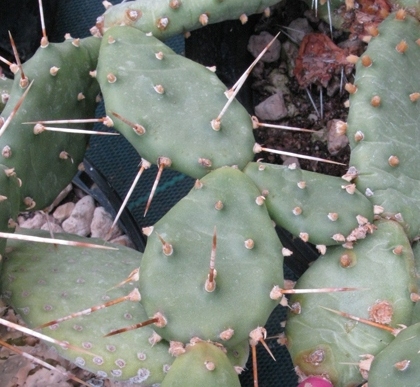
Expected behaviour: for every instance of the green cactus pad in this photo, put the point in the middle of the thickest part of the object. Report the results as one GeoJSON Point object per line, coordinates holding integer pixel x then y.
{"type": "Point", "coordinates": [322, 342]}
{"type": "Point", "coordinates": [166, 18]}
{"type": "Point", "coordinates": [9, 203]}
{"type": "Point", "coordinates": [248, 262]}
{"type": "Point", "coordinates": [44, 282]}
{"type": "Point", "coordinates": [62, 89]}
{"type": "Point", "coordinates": [5, 88]}
{"type": "Point", "coordinates": [239, 354]}
{"type": "Point", "coordinates": [399, 363]}
{"type": "Point", "coordinates": [411, 6]}
{"type": "Point", "coordinates": [203, 364]}
{"type": "Point", "coordinates": [383, 121]}
{"type": "Point", "coordinates": [416, 311]}
{"type": "Point", "coordinates": [174, 100]}
{"type": "Point", "coordinates": [325, 210]}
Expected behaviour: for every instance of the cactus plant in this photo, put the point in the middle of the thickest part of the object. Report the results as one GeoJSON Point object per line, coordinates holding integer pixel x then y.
{"type": "Point", "coordinates": [246, 256]}
{"type": "Point", "coordinates": [383, 106]}
{"type": "Point", "coordinates": [398, 363]}
{"type": "Point", "coordinates": [168, 18]}
{"type": "Point", "coordinates": [9, 203]}
{"type": "Point", "coordinates": [324, 210]}
{"type": "Point", "coordinates": [58, 283]}
{"type": "Point", "coordinates": [322, 343]}
{"type": "Point", "coordinates": [223, 225]}
{"type": "Point", "coordinates": [5, 88]}
{"type": "Point", "coordinates": [202, 364]}
{"type": "Point", "coordinates": [62, 89]}
{"type": "Point", "coordinates": [377, 72]}
{"type": "Point", "coordinates": [411, 6]}
{"type": "Point", "coordinates": [416, 311]}
{"type": "Point", "coordinates": [164, 87]}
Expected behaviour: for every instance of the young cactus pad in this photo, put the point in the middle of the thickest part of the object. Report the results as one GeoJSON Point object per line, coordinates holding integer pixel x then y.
{"type": "Point", "coordinates": [203, 364]}
{"type": "Point", "coordinates": [248, 262]}
{"type": "Point", "coordinates": [321, 209]}
{"type": "Point", "coordinates": [324, 343]}
{"type": "Point", "coordinates": [399, 363]}
{"type": "Point", "coordinates": [62, 89]}
{"type": "Point", "coordinates": [170, 102]}
{"type": "Point", "coordinates": [383, 121]}
{"type": "Point", "coordinates": [166, 18]}
{"type": "Point", "coordinates": [46, 282]}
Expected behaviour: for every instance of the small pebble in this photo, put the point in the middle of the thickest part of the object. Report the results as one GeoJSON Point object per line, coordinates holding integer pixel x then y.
{"type": "Point", "coordinates": [272, 109]}
{"type": "Point", "coordinates": [258, 42]}
{"type": "Point", "coordinates": [81, 217]}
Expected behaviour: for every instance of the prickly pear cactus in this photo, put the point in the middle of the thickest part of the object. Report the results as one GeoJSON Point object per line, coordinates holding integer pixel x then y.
{"type": "Point", "coordinates": [202, 364]}
{"type": "Point", "coordinates": [321, 209]}
{"type": "Point", "coordinates": [9, 203]}
{"type": "Point", "coordinates": [238, 355]}
{"type": "Point", "coordinates": [166, 18]}
{"type": "Point", "coordinates": [324, 343]}
{"type": "Point", "coordinates": [45, 282]}
{"type": "Point", "coordinates": [170, 103]}
{"type": "Point", "coordinates": [399, 363]}
{"type": "Point", "coordinates": [62, 89]}
{"type": "Point", "coordinates": [411, 6]}
{"type": "Point", "coordinates": [5, 87]}
{"type": "Point", "coordinates": [383, 121]}
{"type": "Point", "coordinates": [416, 310]}
{"type": "Point", "coordinates": [175, 272]}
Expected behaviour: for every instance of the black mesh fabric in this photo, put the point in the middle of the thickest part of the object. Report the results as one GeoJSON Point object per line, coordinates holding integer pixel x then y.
{"type": "Point", "coordinates": [118, 163]}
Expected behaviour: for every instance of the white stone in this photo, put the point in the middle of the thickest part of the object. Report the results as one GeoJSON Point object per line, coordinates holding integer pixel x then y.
{"type": "Point", "coordinates": [61, 196]}
{"type": "Point", "coordinates": [336, 141]}
{"type": "Point", "coordinates": [81, 217]}
{"type": "Point", "coordinates": [35, 222]}
{"type": "Point", "coordinates": [257, 43]}
{"type": "Point", "coordinates": [54, 227]}
{"type": "Point", "coordinates": [123, 240]}
{"type": "Point", "coordinates": [21, 219]}
{"type": "Point", "coordinates": [64, 211]}
{"type": "Point", "coordinates": [101, 225]}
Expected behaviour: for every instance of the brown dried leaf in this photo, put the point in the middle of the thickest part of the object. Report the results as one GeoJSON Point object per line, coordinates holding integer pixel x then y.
{"type": "Point", "coordinates": [14, 370]}
{"type": "Point", "coordinates": [318, 60]}
{"type": "Point", "coordinates": [47, 378]}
